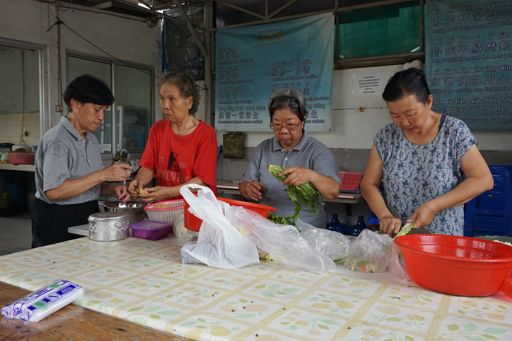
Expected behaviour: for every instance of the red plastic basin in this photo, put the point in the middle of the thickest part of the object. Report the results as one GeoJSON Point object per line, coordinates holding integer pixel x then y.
{"type": "Point", "coordinates": [193, 223]}
{"type": "Point", "coordinates": [455, 265]}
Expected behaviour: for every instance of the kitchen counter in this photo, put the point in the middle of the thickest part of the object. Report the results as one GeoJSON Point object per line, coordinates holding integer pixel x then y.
{"type": "Point", "coordinates": [23, 168]}
{"type": "Point", "coordinates": [144, 282]}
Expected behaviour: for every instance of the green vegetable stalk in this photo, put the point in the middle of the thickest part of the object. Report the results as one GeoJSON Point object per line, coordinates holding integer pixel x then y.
{"type": "Point", "coordinates": [299, 195]}
{"type": "Point", "coordinates": [405, 230]}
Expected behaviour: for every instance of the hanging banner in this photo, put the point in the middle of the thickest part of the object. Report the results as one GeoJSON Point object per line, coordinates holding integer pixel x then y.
{"type": "Point", "coordinates": [469, 60]}
{"type": "Point", "coordinates": [251, 62]}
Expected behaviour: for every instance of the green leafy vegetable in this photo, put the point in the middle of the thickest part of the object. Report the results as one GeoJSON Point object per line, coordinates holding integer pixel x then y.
{"type": "Point", "coordinates": [299, 195]}
{"type": "Point", "coordinates": [407, 228]}
{"type": "Point", "coordinates": [281, 220]}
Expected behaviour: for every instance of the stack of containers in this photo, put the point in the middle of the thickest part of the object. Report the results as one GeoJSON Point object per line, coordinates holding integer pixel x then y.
{"type": "Point", "coordinates": [491, 212]}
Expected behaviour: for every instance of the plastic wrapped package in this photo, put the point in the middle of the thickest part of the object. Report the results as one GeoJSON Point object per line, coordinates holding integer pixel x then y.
{"type": "Point", "coordinates": [370, 252]}
{"type": "Point", "coordinates": [283, 242]}
{"type": "Point", "coordinates": [181, 232]}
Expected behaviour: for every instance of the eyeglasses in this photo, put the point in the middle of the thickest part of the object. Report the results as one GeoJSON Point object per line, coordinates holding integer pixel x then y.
{"type": "Point", "coordinates": [288, 126]}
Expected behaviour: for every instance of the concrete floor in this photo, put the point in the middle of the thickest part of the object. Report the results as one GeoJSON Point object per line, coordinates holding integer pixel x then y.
{"type": "Point", "coordinates": [15, 233]}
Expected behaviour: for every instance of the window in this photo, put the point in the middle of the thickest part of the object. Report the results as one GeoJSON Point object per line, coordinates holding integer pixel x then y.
{"type": "Point", "coordinates": [379, 31]}
{"type": "Point", "coordinates": [132, 86]}
{"type": "Point", "coordinates": [20, 72]}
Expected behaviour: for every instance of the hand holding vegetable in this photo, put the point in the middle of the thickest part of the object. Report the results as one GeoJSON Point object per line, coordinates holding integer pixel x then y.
{"type": "Point", "coordinates": [424, 214]}
{"type": "Point", "coordinates": [295, 176]}
{"type": "Point", "coordinates": [389, 224]}
{"type": "Point", "coordinates": [405, 230]}
{"type": "Point", "coordinates": [303, 193]}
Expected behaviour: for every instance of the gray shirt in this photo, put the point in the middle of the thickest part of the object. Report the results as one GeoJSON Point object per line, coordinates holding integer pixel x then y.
{"type": "Point", "coordinates": [309, 153]}
{"type": "Point", "coordinates": [65, 154]}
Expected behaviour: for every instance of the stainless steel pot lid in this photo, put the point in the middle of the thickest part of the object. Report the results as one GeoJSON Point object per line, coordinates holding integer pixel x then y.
{"type": "Point", "coordinates": [102, 216]}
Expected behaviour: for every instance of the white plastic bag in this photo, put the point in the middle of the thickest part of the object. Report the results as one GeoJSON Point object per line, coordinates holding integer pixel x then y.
{"type": "Point", "coordinates": [219, 243]}
{"type": "Point", "coordinates": [282, 242]}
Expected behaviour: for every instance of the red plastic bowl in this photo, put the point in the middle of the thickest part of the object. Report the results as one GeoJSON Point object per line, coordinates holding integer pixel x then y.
{"type": "Point", "coordinates": [455, 265]}
{"type": "Point", "coordinates": [193, 223]}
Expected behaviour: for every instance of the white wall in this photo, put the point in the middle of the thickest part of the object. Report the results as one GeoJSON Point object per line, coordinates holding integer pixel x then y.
{"type": "Point", "coordinates": [129, 40]}
{"type": "Point", "coordinates": [359, 112]}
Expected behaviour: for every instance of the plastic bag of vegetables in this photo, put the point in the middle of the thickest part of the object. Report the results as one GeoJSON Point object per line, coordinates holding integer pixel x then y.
{"type": "Point", "coordinates": [370, 252]}
{"type": "Point", "coordinates": [283, 243]}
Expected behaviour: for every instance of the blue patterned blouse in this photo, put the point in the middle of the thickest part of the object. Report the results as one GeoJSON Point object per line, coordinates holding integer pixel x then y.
{"type": "Point", "coordinates": [414, 174]}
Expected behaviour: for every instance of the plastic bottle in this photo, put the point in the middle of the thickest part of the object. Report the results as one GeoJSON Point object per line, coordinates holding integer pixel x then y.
{"type": "Point", "coordinates": [359, 226]}
{"type": "Point", "coordinates": [334, 224]}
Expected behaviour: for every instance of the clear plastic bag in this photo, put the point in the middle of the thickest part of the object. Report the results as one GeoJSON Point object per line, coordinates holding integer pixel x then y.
{"type": "Point", "coordinates": [330, 243]}
{"type": "Point", "coordinates": [219, 243]}
{"type": "Point", "coordinates": [283, 242]}
{"type": "Point", "coordinates": [370, 252]}
{"type": "Point", "coordinates": [326, 242]}
{"type": "Point", "coordinates": [181, 232]}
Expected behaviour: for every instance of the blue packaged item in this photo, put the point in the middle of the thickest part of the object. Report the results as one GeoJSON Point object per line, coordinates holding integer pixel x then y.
{"type": "Point", "coordinates": [43, 302]}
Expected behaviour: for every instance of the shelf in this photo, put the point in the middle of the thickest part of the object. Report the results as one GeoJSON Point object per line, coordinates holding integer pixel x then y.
{"type": "Point", "coordinates": [23, 168]}
{"type": "Point", "coordinates": [231, 187]}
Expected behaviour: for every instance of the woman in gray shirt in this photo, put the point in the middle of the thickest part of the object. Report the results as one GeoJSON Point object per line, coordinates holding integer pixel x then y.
{"type": "Point", "coordinates": [303, 158]}
{"type": "Point", "coordinates": [68, 164]}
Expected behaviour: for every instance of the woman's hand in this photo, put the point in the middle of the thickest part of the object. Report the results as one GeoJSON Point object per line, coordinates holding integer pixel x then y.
{"type": "Point", "coordinates": [134, 187]}
{"type": "Point", "coordinates": [295, 176]}
{"type": "Point", "coordinates": [122, 193]}
{"type": "Point", "coordinates": [251, 190]}
{"type": "Point", "coordinates": [117, 172]}
{"type": "Point", "coordinates": [389, 225]}
{"type": "Point", "coordinates": [157, 193]}
{"type": "Point", "coordinates": [424, 214]}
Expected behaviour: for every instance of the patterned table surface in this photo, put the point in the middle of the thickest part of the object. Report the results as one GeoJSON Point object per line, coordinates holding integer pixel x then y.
{"type": "Point", "coordinates": [145, 282]}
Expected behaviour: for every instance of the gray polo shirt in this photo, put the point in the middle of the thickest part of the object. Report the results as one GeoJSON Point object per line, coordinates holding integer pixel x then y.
{"type": "Point", "coordinates": [65, 154]}
{"type": "Point", "coordinates": [309, 153]}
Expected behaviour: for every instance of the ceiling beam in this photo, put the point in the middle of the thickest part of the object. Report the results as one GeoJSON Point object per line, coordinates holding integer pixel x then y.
{"type": "Point", "coordinates": [104, 5]}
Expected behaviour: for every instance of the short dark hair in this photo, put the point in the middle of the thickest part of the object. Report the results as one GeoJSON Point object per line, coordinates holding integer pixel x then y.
{"type": "Point", "coordinates": [407, 82]}
{"type": "Point", "coordinates": [288, 99]}
{"type": "Point", "coordinates": [187, 86]}
{"type": "Point", "coordinates": [88, 89]}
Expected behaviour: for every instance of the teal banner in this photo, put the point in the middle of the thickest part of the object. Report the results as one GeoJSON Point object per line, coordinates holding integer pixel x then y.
{"type": "Point", "coordinates": [468, 46]}
{"type": "Point", "coordinates": [251, 62]}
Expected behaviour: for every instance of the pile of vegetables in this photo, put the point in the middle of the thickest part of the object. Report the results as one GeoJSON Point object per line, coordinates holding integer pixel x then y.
{"type": "Point", "coordinates": [304, 194]}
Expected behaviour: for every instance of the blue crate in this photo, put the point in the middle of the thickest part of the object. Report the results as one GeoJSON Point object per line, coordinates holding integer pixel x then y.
{"type": "Point", "coordinates": [491, 212]}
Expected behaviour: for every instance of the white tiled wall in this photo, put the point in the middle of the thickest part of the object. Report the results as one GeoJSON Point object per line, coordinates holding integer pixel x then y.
{"type": "Point", "coordinates": [11, 128]}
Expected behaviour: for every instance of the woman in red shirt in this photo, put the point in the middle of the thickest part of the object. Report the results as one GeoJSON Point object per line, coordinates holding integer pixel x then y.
{"type": "Point", "coordinates": [180, 149]}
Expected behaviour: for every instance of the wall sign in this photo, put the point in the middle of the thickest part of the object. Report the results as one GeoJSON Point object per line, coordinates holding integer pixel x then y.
{"type": "Point", "coordinates": [469, 60]}
{"type": "Point", "coordinates": [251, 62]}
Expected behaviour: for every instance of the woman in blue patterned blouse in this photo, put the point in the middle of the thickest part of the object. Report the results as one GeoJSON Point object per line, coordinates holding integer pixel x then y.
{"type": "Point", "coordinates": [427, 163]}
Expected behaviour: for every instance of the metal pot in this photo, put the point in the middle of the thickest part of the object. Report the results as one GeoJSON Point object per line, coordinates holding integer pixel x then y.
{"type": "Point", "coordinates": [134, 209]}
{"type": "Point", "coordinates": [108, 226]}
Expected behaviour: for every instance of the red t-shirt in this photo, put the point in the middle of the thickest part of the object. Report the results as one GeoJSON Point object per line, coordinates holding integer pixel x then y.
{"type": "Point", "coordinates": [176, 159]}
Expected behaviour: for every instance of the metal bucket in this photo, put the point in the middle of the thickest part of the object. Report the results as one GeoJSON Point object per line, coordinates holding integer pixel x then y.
{"type": "Point", "coordinates": [108, 226]}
